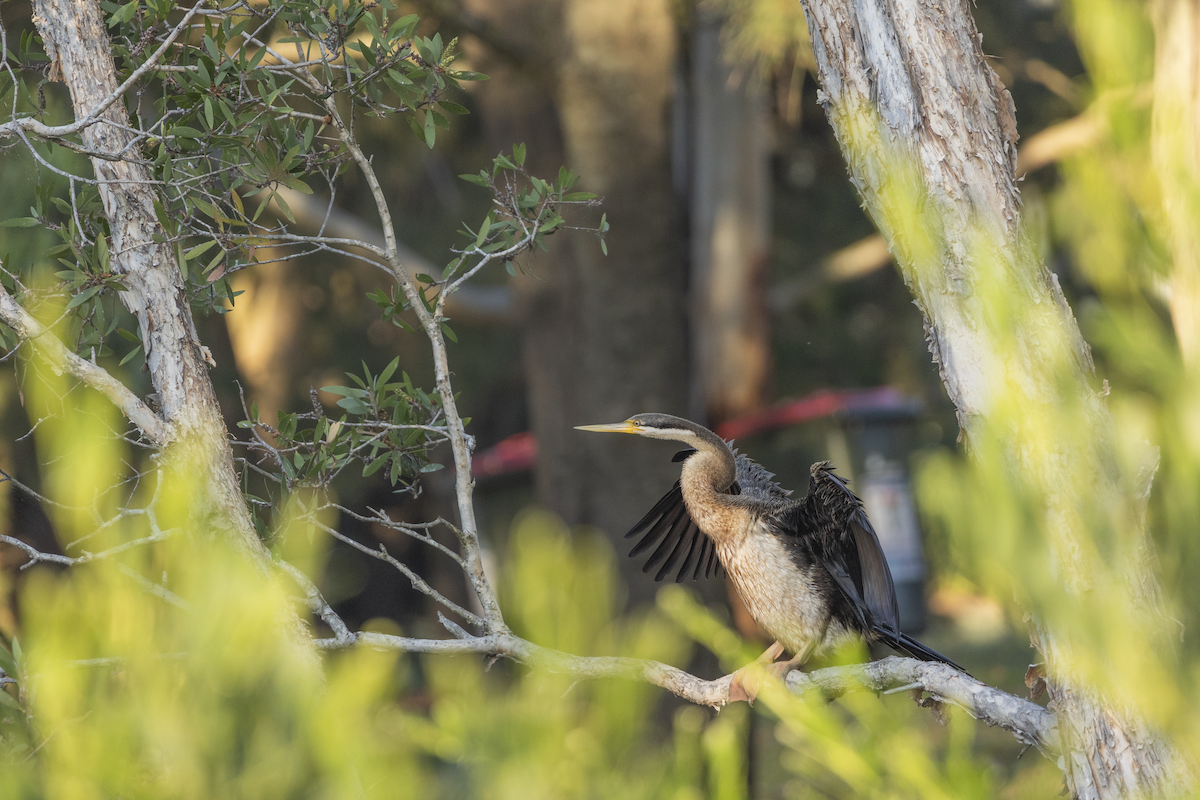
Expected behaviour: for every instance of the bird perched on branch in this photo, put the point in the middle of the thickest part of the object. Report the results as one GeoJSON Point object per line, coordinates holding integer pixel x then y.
{"type": "Point", "coordinates": [811, 572]}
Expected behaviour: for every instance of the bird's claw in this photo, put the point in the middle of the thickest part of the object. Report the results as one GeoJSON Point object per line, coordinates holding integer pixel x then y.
{"type": "Point", "coordinates": [748, 681]}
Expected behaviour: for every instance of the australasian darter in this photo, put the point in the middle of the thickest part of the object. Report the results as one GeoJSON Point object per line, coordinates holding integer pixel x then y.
{"type": "Point", "coordinates": [811, 572]}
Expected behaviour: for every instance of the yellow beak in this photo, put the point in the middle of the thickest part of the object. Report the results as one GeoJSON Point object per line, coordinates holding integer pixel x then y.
{"type": "Point", "coordinates": [614, 427]}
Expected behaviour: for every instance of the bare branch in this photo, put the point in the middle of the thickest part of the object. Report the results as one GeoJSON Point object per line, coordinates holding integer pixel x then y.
{"type": "Point", "coordinates": [468, 533]}
{"type": "Point", "coordinates": [317, 602]}
{"type": "Point", "coordinates": [36, 555]}
{"type": "Point", "coordinates": [416, 580]}
{"type": "Point", "coordinates": [1028, 722]}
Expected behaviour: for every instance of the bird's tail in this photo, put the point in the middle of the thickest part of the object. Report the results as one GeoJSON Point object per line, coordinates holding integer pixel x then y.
{"type": "Point", "coordinates": [908, 645]}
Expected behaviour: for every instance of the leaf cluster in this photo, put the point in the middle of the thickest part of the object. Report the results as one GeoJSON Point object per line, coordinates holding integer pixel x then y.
{"type": "Point", "coordinates": [386, 426]}
{"type": "Point", "coordinates": [245, 102]}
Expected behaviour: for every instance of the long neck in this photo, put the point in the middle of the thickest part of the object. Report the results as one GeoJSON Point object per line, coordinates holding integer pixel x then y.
{"type": "Point", "coordinates": [711, 470]}
{"type": "Point", "coordinates": [705, 482]}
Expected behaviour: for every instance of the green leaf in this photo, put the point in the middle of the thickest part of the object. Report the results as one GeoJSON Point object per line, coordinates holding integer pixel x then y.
{"type": "Point", "coordinates": [83, 297]}
{"type": "Point", "coordinates": [579, 196]}
{"type": "Point", "coordinates": [399, 77]}
{"type": "Point", "coordinates": [430, 129]}
{"type": "Point", "coordinates": [519, 154]}
{"type": "Point", "coordinates": [483, 230]}
{"type": "Point", "coordinates": [404, 26]}
{"type": "Point", "coordinates": [20, 222]}
{"type": "Point", "coordinates": [102, 252]}
{"type": "Point", "coordinates": [8, 663]}
{"type": "Point", "coordinates": [478, 180]}
{"type": "Point", "coordinates": [185, 132]}
{"type": "Point", "coordinates": [416, 126]}
{"type": "Point", "coordinates": [345, 391]}
{"type": "Point", "coordinates": [453, 108]}
{"type": "Point", "coordinates": [449, 333]}
{"type": "Point", "coordinates": [130, 355]}
{"type": "Point", "coordinates": [199, 249]}
{"type": "Point", "coordinates": [123, 14]}
{"type": "Point", "coordinates": [388, 371]}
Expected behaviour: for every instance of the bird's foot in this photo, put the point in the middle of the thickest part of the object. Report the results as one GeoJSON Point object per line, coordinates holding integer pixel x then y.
{"type": "Point", "coordinates": [780, 669]}
{"type": "Point", "coordinates": [748, 680]}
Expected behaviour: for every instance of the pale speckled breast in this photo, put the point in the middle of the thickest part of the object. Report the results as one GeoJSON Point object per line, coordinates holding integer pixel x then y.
{"type": "Point", "coordinates": [781, 598]}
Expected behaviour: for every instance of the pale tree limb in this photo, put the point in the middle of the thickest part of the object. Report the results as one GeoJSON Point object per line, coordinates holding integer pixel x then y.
{"type": "Point", "coordinates": [937, 174]}
{"type": "Point", "coordinates": [96, 112]}
{"type": "Point", "coordinates": [1028, 722]}
{"type": "Point", "coordinates": [77, 42]}
{"type": "Point", "coordinates": [60, 359]}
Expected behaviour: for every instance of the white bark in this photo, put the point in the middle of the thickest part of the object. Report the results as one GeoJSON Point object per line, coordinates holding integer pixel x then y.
{"type": "Point", "coordinates": [930, 137]}
{"type": "Point", "coordinates": [1175, 145]}
{"type": "Point", "coordinates": [77, 42]}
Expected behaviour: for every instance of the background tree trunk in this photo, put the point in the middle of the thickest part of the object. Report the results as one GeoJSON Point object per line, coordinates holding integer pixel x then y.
{"type": "Point", "coordinates": [730, 229]}
{"type": "Point", "coordinates": [929, 134]}
{"type": "Point", "coordinates": [603, 337]}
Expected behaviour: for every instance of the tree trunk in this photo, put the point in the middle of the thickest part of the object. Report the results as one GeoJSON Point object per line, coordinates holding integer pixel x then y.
{"type": "Point", "coordinates": [78, 46]}
{"type": "Point", "coordinates": [1175, 145]}
{"type": "Point", "coordinates": [603, 337]}
{"type": "Point", "coordinates": [929, 134]}
{"type": "Point", "coordinates": [730, 230]}
{"type": "Point", "coordinates": [614, 98]}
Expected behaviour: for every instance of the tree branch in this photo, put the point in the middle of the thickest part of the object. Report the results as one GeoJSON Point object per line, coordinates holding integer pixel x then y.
{"type": "Point", "coordinates": [152, 426]}
{"type": "Point", "coordinates": [1028, 722]}
{"type": "Point", "coordinates": [96, 114]}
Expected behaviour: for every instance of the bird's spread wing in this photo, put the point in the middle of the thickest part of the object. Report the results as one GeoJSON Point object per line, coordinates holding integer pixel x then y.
{"type": "Point", "coordinates": [849, 549]}
{"type": "Point", "coordinates": [669, 526]}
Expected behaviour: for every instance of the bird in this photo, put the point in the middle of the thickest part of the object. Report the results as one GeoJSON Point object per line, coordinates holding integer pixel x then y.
{"type": "Point", "coordinates": [810, 571]}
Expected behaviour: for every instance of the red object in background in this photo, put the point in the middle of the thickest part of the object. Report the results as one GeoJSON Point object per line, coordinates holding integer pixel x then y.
{"type": "Point", "coordinates": [823, 403]}
{"type": "Point", "coordinates": [518, 453]}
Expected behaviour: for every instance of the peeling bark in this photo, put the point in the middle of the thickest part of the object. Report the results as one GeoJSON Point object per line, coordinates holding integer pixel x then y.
{"type": "Point", "coordinates": [929, 134]}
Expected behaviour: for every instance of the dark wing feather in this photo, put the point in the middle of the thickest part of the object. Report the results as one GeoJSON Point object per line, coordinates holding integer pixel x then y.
{"type": "Point", "coordinates": [680, 537]}
{"type": "Point", "coordinates": [669, 522]}
{"type": "Point", "coordinates": [849, 548]}
{"type": "Point", "coordinates": [693, 536]}
{"type": "Point", "coordinates": [673, 525]}
{"type": "Point", "coordinates": [878, 590]}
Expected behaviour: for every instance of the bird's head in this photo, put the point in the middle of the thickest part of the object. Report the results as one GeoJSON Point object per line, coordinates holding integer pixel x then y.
{"type": "Point", "coordinates": [659, 426]}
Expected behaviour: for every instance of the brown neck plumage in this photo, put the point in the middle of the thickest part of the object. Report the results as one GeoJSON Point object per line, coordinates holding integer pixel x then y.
{"type": "Point", "coordinates": [705, 481]}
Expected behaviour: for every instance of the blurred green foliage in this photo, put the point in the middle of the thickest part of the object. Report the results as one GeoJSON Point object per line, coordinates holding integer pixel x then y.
{"type": "Point", "coordinates": [121, 693]}
{"type": "Point", "coordinates": [211, 695]}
